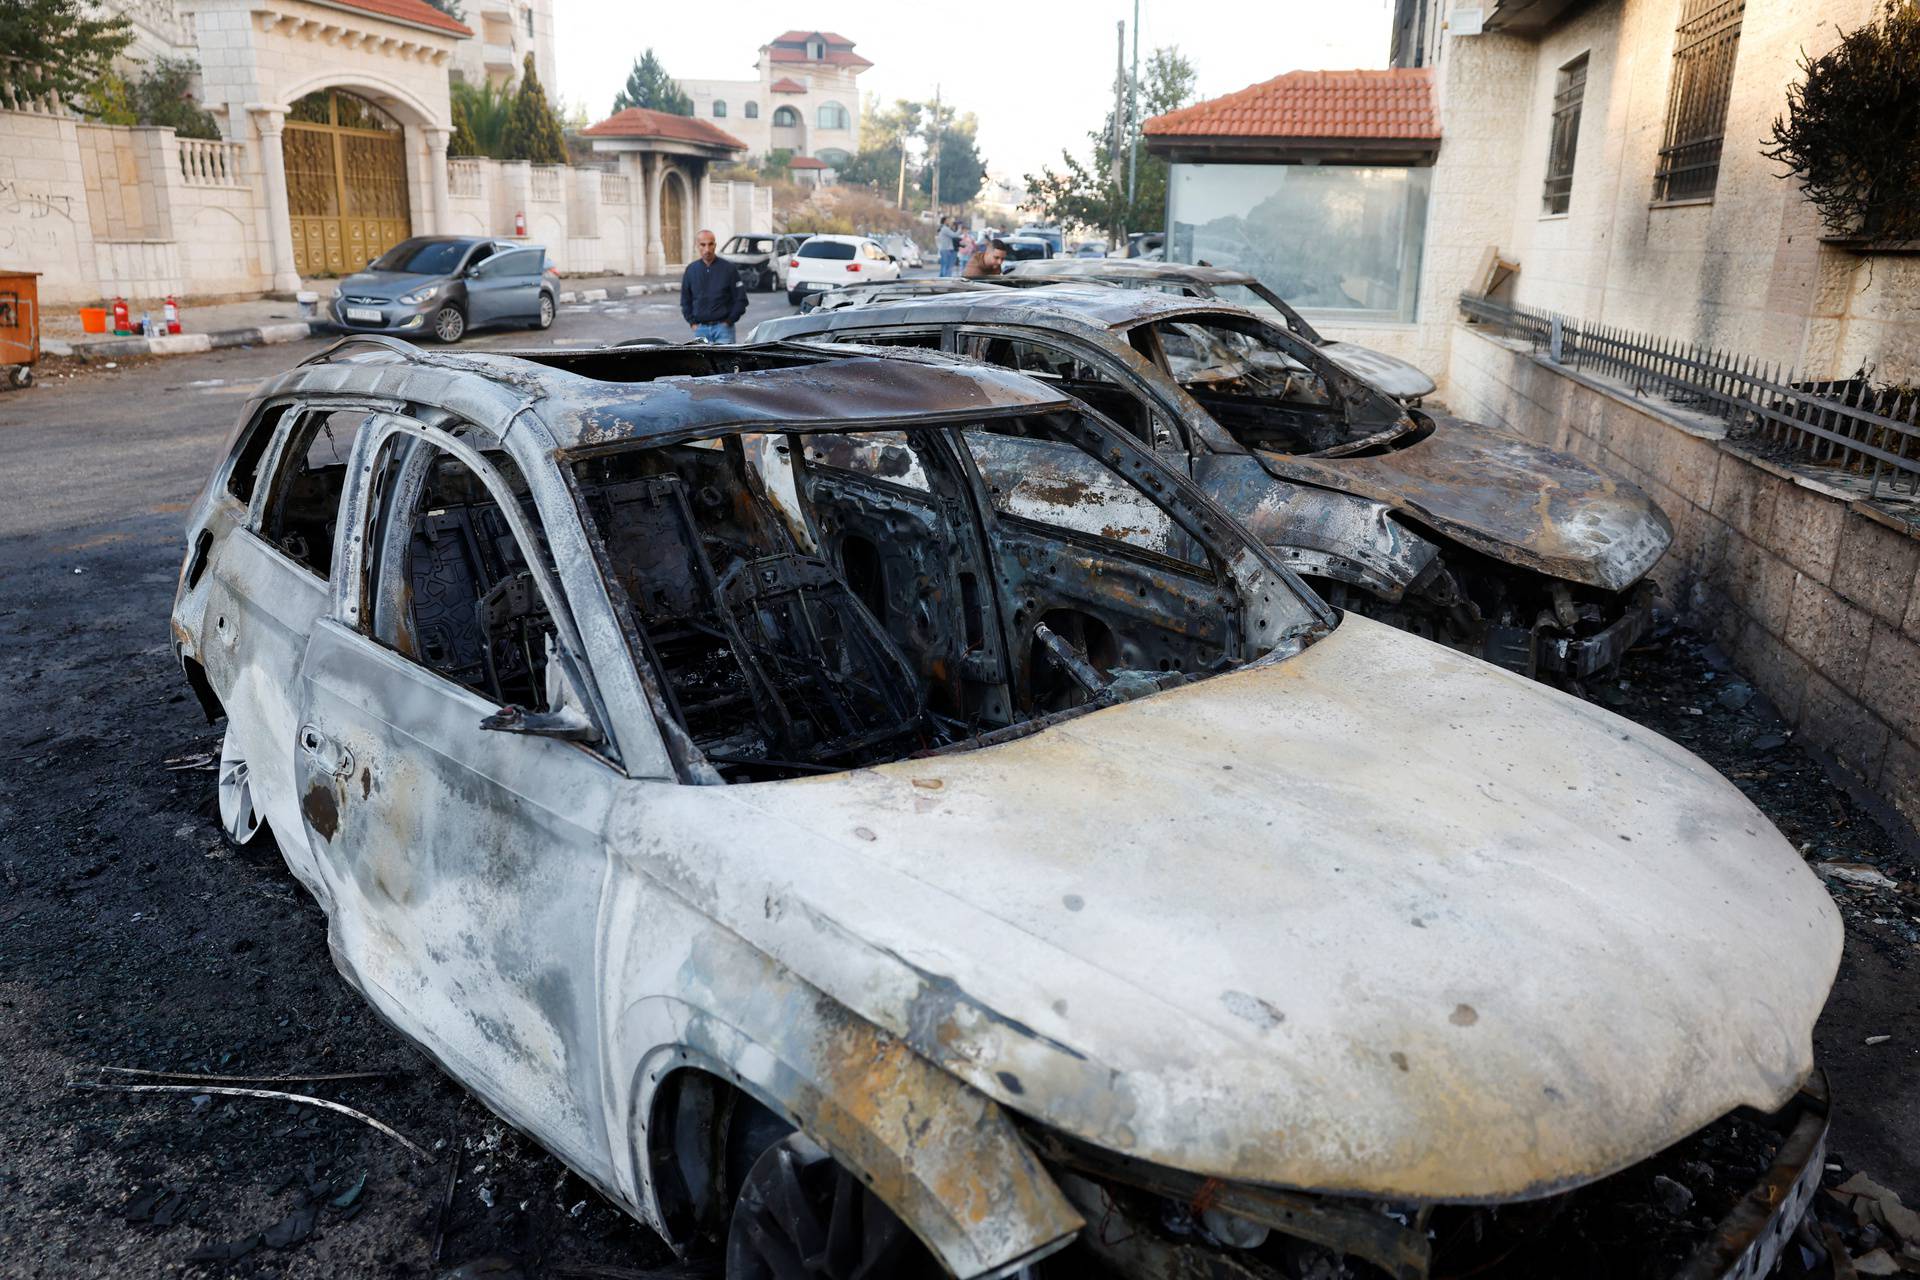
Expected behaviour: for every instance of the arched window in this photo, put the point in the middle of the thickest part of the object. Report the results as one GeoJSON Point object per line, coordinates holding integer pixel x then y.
{"type": "Point", "coordinates": [753, 111]}
{"type": "Point", "coordinates": [786, 118]}
{"type": "Point", "coordinates": [833, 116]}
{"type": "Point", "coordinates": [719, 109]}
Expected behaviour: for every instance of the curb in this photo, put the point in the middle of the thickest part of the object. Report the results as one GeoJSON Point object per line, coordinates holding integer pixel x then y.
{"type": "Point", "coordinates": [183, 344]}
{"type": "Point", "coordinates": [179, 344]}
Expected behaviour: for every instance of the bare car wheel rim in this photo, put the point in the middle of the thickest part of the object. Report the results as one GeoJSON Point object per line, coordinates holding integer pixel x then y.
{"type": "Point", "coordinates": [546, 311]}
{"type": "Point", "coordinates": [449, 324]}
{"type": "Point", "coordinates": [237, 815]}
{"type": "Point", "coordinates": [802, 1215]}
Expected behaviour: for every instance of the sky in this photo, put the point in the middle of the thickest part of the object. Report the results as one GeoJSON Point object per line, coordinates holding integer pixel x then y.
{"type": "Point", "coordinates": [1039, 77]}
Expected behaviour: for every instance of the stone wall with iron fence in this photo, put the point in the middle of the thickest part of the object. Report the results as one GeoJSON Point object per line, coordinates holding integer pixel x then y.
{"type": "Point", "coordinates": [1802, 571]}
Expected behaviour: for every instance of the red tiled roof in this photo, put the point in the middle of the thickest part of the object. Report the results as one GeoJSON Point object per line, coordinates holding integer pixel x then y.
{"type": "Point", "coordinates": [784, 85]}
{"type": "Point", "coordinates": [806, 162]}
{"type": "Point", "coordinates": [417, 12]}
{"type": "Point", "coordinates": [639, 122]}
{"type": "Point", "coordinates": [1395, 103]}
{"type": "Point", "coordinates": [801, 37]}
{"type": "Point", "coordinates": [835, 57]}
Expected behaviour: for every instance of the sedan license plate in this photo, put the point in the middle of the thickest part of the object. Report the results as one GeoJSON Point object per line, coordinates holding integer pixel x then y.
{"type": "Point", "coordinates": [368, 314]}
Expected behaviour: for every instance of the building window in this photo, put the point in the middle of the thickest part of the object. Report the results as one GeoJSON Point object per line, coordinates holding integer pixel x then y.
{"type": "Point", "coordinates": [833, 116]}
{"type": "Point", "coordinates": [816, 50]}
{"type": "Point", "coordinates": [529, 16]}
{"type": "Point", "coordinates": [753, 111]}
{"type": "Point", "coordinates": [786, 118]}
{"type": "Point", "coordinates": [1704, 47]}
{"type": "Point", "coordinates": [1345, 240]}
{"type": "Point", "coordinates": [719, 109]}
{"type": "Point", "coordinates": [1568, 91]}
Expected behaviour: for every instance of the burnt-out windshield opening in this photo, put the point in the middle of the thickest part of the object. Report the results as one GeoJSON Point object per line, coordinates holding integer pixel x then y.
{"type": "Point", "coordinates": [819, 600]}
{"type": "Point", "coordinates": [1266, 389]}
{"type": "Point", "coordinates": [652, 363]}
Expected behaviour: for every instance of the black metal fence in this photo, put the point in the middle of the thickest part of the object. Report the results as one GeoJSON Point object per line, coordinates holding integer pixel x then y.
{"type": "Point", "coordinates": [1843, 424]}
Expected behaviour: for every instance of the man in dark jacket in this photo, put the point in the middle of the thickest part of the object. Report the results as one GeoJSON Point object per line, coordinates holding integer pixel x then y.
{"type": "Point", "coordinates": [713, 297]}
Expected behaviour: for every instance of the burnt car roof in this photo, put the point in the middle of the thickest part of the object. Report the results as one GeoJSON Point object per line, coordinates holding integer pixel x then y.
{"type": "Point", "coordinates": [661, 392]}
{"type": "Point", "coordinates": [1091, 305]}
{"type": "Point", "coordinates": [1133, 268]}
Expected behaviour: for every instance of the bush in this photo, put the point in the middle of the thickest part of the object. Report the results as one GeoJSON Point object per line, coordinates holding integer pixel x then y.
{"type": "Point", "coordinates": [1851, 131]}
{"type": "Point", "coordinates": [164, 96]}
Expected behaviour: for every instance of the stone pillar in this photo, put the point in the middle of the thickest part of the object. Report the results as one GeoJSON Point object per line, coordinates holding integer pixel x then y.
{"type": "Point", "coordinates": [656, 248]}
{"type": "Point", "coordinates": [437, 178]}
{"type": "Point", "coordinates": [273, 172]}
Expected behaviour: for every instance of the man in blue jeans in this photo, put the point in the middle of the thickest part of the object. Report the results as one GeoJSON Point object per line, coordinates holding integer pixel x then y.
{"type": "Point", "coordinates": [713, 297]}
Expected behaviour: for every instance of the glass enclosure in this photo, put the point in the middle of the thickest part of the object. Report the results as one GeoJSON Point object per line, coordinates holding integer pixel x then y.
{"type": "Point", "coordinates": [1344, 240]}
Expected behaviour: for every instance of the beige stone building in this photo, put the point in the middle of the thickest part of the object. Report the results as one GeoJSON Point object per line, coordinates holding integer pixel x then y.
{"type": "Point", "coordinates": [804, 97]}
{"type": "Point", "coordinates": [335, 119]}
{"type": "Point", "coordinates": [504, 33]}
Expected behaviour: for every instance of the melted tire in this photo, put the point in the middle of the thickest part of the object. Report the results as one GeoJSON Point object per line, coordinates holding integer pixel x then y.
{"type": "Point", "coordinates": [802, 1215]}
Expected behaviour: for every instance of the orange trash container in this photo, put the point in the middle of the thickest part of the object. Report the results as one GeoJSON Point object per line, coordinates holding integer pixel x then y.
{"type": "Point", "coordinates": [20, 323]}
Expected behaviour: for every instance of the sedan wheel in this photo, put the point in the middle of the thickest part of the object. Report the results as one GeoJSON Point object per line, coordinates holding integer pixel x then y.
{"type": "Point", "coordinates": [802, 1215]}
{"type": "Point", "coordinates": [238, 818]}
{"type": "Point", "coordinates": [449, 324]}
{"type": "Point", "coordinates": [546, 313]}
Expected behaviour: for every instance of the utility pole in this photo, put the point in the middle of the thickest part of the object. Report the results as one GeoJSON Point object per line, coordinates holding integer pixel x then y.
{"type": "Point", "coordinates": [936, 151]}
{"type": "Point", "coordinates": [1116, 146]}
{"type": "Point", "coordinates": [1133, 113]}
{"type": "Point", "coordinates": [900, 140]}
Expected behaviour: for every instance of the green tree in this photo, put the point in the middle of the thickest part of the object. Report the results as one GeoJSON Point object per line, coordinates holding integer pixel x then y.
{"type": "Point", "coordinates": [462, 142]}
{"type": "Point", "coordinates": [164, 95]}
{"type": "Point", "coordinates": [57, 46]}
{"type": "Point", "coordinates": [1086, 193]}
{"type": "Point", "coordinates": [110, 100]}
{"type": "Point", "coordinates": [486, 108]}
{"type": "Point", "coordinates": [451, 8]}
{"type": "Point", "coordinates": [649, 85]}
{"type": "Point", "coordinates": [532, 130]}
{"type": "Point", "coordinates": [962, 167]}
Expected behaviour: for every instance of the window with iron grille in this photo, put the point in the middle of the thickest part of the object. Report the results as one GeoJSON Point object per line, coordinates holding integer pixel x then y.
{"type": "Point", "coordinates": [1568, 91]}
{"type": "Point", "coordinates": [1704, 47]}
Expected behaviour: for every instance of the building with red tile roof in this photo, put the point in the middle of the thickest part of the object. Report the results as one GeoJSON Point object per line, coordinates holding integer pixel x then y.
{"type": "Point", "coordinates": [643, 124]}
{"type": "Point", "coordinates": [804, 99]}
{"type": "Point", "coordinates": [1308, 114]}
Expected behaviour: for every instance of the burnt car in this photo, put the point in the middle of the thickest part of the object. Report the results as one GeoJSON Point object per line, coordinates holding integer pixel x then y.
{"type": "Point", "coordinates": [856, 865]}
{"type": "Point", "coordinates": [1402, 381]}
{"type": "Point", "coordinates": [760, 256]}
{"type": "Point", "coordinates": [1528, 557]}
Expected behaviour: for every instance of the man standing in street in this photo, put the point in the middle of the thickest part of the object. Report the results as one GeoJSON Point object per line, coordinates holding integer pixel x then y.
{"type": "Point", "coordinates": [986, 263]}
{"type": "Point", "coordinates": [713, 297]}
{"type": "Point", "coordinates": [948, 241]}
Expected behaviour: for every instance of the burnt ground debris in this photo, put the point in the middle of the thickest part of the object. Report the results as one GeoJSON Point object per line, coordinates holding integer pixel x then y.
{"type": "Point", "coordinates": [131, 935]}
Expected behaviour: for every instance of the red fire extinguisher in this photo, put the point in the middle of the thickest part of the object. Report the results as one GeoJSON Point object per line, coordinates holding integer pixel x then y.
{"type": "Point", "coordinates": [122, 320]}
{"type": "Point", "coordinates": [173, 315]}
{"type": "Point", "coordinates": [520, 224]}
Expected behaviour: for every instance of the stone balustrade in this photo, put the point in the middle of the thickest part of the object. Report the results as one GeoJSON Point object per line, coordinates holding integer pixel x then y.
{"type": "Point", "coordinates": [212, 164]}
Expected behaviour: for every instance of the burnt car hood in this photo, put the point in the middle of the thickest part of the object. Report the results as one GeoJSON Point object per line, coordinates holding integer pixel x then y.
{"type": "Point", "coordinates": [1507, 497]}
{"type": "Point", "coordinates": [1379, 918]}
{"type": "Point", "coordinates": [1385, 373]}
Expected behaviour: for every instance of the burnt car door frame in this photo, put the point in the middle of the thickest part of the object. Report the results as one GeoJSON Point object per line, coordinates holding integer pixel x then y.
{"type": "Point", "coordinates": [466, 865]}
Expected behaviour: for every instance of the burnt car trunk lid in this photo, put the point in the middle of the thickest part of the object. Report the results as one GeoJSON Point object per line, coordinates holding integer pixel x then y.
{"type": "Point", "coordinates": [1380, 919]}
{"type": "Point", "coordinates": [1508, 498]}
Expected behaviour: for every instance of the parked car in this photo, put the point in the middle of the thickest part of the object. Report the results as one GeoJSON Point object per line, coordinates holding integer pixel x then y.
{"type": "Point", "coordinates": [827, 262]}
{"type": "Point", "coordinates": [1090, 249]}
{"type": "Point", "coordinates": [1056, 239]}
{"type": "Point", "coordinates": [1402, 381]}
{"type": "Point", "coordinates": [904, 249]}
{"type": "Point", "coordinates": [1025, 249]}
{"type": "Point", "coordinates": [1522, 555]}
{"type": "Point", "coordinates": [1151, 245]}
{"type": "Point", "coordinates": [759, 256]}
{"type": "Point", "coordinates": [443, 286]}
{"type": "Point", "coordinates": [828, 841]}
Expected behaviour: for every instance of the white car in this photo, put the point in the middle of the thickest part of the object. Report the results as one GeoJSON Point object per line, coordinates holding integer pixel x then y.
{"type": "Point", "coordinates": [837, 262]}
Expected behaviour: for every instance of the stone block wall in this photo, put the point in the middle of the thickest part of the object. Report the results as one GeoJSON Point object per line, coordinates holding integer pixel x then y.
{"type": "Point", "coordinates": [1809, 591]}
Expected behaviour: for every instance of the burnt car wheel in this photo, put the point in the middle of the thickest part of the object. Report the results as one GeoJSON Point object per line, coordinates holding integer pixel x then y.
{"type": "Point", "coordinates": [802, 1215]}
{"type": "Point", "coordinates": [234, 782]}
{"type": "Point", "coordinates": [449, 323]}
{"type": "Point", "coordinates": [546, 313]}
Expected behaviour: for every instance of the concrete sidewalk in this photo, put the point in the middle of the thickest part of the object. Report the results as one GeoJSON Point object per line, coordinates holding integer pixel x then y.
{"type": "Point", "coordinates": [265, 321]}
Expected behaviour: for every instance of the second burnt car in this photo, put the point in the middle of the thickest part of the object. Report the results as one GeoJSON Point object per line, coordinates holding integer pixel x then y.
{"type": "Point", "coordinates": [855, 866]}
{"type": "Point", "coordinates": [1523, 555]}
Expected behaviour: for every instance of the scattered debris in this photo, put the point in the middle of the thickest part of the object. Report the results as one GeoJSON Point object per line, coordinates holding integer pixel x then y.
{"type": "Point", "coordinates": [1856, 873]}
{"type": "Point", "coordinates": [272, 1095]}
{"type": "Point", "coordinates": [1877, 1039]}
{"type": "Point", "coordinates": [1671, 1195]}
{"type": "Point", "coordinates": [311, 1078]}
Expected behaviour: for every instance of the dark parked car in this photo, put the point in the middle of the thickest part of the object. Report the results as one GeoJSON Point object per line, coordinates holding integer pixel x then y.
{"type": "Point", "coordinates": [446, 285]}
{"type": "Point", "coordinates": [757, 254]}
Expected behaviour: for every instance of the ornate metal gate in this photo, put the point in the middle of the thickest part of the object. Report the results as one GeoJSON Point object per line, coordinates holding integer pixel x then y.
{"type": "Point", "coordinates": [346, 182]}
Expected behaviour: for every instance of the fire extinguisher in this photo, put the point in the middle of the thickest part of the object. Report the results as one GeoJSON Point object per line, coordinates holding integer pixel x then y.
{"type": "Point", "coordinates": [519, 224]}
{"type": "Point", "coordinates": [173, 315]}
{"type": "Point", "coordinates": [122, 318]}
